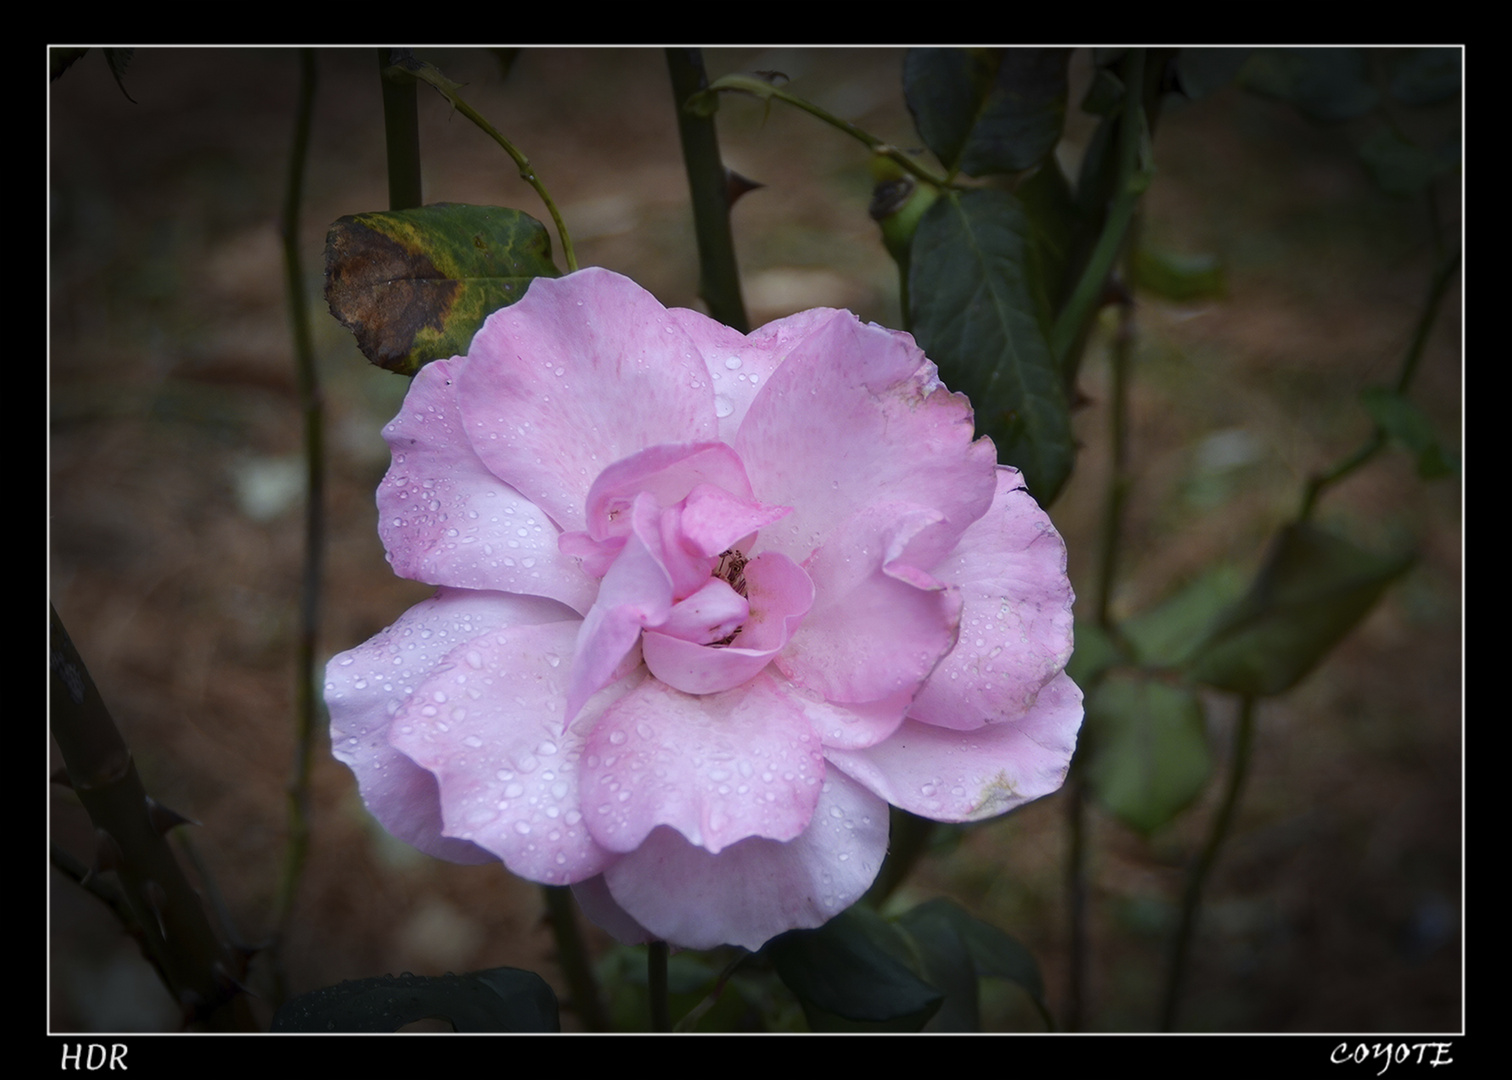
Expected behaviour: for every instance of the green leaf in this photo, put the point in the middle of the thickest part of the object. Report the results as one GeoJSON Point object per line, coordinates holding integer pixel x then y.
{"type": "Point", "coordinates": [1426, 76]}
{"type": "Point", "coordinates": [1148, 755]}
{"type": "Point", "coordinates": [1169, 634]}
{"type": "Point", "coordinates": [947, 965]}
{"type": "Point", "coordinates": [1311, 591]}
{"type": "Point", "coordinates": [854, 973]}
{"type": "Point", "coordinates": [943, 930]}
{"type": "Point", "coordinates": [415, 285]}
{"type": "Point", "coordinates": [1051, 210]}
{"type": "Point", "coordinates": [1326, 84]}
{"type": "Point", "coordinates": [1178, 277]}
{"type": "Point", "coordinates": [986, 111]}
{"type": "Point", "coordinates": [975, 315]}
{"type": "Point", "coordinates": [1409, 425]}
{"type": "Point", "coordinates": [497, 1000]}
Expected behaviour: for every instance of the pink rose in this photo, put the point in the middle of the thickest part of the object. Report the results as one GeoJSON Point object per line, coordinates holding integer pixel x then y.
{"type": "Point", "coordinates": [708, 603]}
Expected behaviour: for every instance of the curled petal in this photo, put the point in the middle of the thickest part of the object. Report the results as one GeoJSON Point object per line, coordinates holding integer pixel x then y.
{"type": "Point", "coordinates": [1010, 568]}
{"type": "Point", "coordinates": [878, 626]}
{"type": "Point", "coordinates": [717, 768]}
{"type": "Point", "coordinates": [749, 893]}
{"type": "Point", "coordinates": [955, 776]}
{"type": "Point", "coordinates": [779, 594]}
{"type": "Point", "coordinates": [367, 686]}
{"type": "Point", "coordinates": [667, 473]}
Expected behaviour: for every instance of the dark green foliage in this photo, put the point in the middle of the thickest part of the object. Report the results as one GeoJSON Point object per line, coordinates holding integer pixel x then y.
{"type": "Point", "coordinates": [496, 1000]}
{"type": "Point", "coordinates": [1312, 590]}
{"type": "Point", "coordinates": [975, 314]}
{"type": "Point", "coordinates": [985, 111]}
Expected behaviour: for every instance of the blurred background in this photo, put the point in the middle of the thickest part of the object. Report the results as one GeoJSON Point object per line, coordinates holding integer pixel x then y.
{"type": "Point", "coordinates": [177, 500]}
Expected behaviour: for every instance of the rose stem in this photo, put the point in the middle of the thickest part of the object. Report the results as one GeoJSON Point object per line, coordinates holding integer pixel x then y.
{"type": "Point", "coordinates": [311, 406]}
{"type": "Point", "coordinates": [1438, 286]}
{"type": "Point", "coordinates": [401, 131]}
{"type": "Point", "coordinates": [656, 982]}
{"type": "Point", "coordinates": [718, 274]}
{"type": "Point", "coordinates": [1191, 901]}
{"type": "Point", "coordinates": [573, 957]}
{"type": "Point", "coordinates": [199, 970]}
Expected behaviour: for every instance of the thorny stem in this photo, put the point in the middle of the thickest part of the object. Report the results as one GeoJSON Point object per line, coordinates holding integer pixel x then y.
{"type": "Point", "coordinates": [401, 131]}
{"type": "Point", "coordinates": [1191, 901]}
{"type": "Point", "coordinates": [1443, 276]}
{"type": "Point", "coordinates": [718, 274]}
{"type": "Point", "coordinates": [766, 91]}
{"type": "Point", "coordinates": [198, 969]}
{"type": "Point", "coordinates": [309, 607]}
{"type": "Point", "coordinates": [656, 982]}
{"type": "Point", "coordinates": [427, 73]}
{"type": "Point", "coordinates": [572, 954]}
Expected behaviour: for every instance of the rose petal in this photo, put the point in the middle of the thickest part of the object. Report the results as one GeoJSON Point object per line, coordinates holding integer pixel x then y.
{"type": "Point", "coordinates": [739, 365]}
{"type": "Point", "coordinates": [1010, 567]}
{"type": "Point", "coordinates": [366, 686]}
{"type": "Point", "coordinates": [446, 520]}
{"type": "Point", "coordinates": [583, 371]}
{"type": "Point", "coordinates": [953, 776]}
{"type": "Point", "coordinates": [878, 627]}
{"type": "Point", "coordinates": [598, 904]}
{"type": "Point", "coordinates": [779, 593]}
{"type": "Point", "coordinates": [856, 416]}
{"type": "Point", "coordinates": [749, 893]}
{"type": "Point", "coordinates": [854, 725]}
{"type": "Point", "coordinates": [717, 768]}
{"type": "Point", "coordinates": [488, 723]}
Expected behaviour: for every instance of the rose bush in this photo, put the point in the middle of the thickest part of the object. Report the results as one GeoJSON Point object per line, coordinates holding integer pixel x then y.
{"type": "Point", "coordinates": [708, 603]}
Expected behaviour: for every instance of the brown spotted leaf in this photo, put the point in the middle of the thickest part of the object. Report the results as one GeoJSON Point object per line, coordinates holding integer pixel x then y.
{"type": "Point", "coordinates": [415, 285]}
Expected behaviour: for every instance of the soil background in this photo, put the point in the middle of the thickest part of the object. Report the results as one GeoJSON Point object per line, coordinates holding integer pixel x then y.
{"type": "Point", "coordinates": [176, 509]}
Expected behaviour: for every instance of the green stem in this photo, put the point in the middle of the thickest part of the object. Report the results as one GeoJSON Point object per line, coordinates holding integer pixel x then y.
{"type": "Point", "coordinates": [198, 969]}
{"type": "Point", "coordinates": [1443, 276]}
{"type": "Point", "coordinates": [1191, 902]}
{"type": "Point", "coordinates": [766, 91]}
{"type": "Point", "coordinates": [1076, 888]}
{"type": "Point", "coordinates": [311, 407]}
{"type": "Point", "coordinates": [1134, 175]}
{"type": "Point", "coordinates": [1119, 481]}
{"type": "Point", "coordinates": [718, 274]}
{"type": "Point", "coordinates": [572, 954]}
{"type": "Point", "coordinates": [656, 984]}
{"type": "Point", "coordinates": [430, 75]}
{"type": "Point", "coordinates": [401, 133]}
{"type": "Point", "coordinates": [908, 839]}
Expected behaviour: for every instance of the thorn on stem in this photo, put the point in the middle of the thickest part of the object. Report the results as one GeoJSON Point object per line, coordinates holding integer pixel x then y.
{"type": "Point", "coordinates": [163, 818]}
{"type": "Point", "coordinates": [737, 185]}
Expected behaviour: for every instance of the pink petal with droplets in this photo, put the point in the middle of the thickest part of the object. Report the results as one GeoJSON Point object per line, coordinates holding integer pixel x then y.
{"type": "Point", "coordinates": [749, 893]}
{"type": "Point", "coordinates": [967, 776]}
{"type": "Point", "coordinates": [367, 686]}
{"type": "Point", "coordinates": [717, 768]}
{"type": "Point", "coordinates": [488, 724]}
{"type": "Point", "coordinates": [1010, 568]}
{"type": "Point", "coordinates": [447, 520]}
{"type": "Point", "coordinates": [583, 371]}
